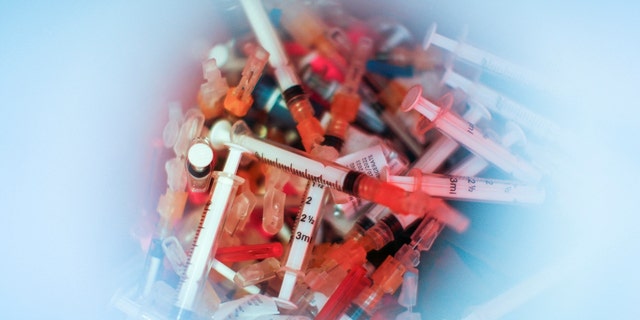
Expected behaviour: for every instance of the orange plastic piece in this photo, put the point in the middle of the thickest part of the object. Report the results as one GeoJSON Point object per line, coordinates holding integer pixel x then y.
{"type": "Point", "coordinates": [308, 126]}
{"type": "Point", "coordinates": [396, 199]}
{"type": "Point", "coordinates": [391, 96]}
{"type": "Point", "coordinates": [238, 99]}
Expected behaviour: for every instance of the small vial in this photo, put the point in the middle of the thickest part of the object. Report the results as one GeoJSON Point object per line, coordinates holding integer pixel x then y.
{"type": "Point", "coordinates": [359, 228]}
{"type": "Point", "coordinates": [200, 159]}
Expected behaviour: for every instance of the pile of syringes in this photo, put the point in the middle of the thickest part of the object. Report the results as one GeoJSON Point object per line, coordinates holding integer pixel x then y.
{"type": "Point", "coordinates": [326, 157]}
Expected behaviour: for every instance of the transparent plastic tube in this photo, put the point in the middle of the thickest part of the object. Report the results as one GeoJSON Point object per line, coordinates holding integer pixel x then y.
{"type": "Point", "coordinates": [199, 165]}
{"type": "Point", "coordinates": [242, 207]}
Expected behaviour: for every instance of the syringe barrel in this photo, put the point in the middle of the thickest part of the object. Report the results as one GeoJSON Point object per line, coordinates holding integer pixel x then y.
{"type": "Point", "coordinates": [468, 135]}
{"type": "Point", "coordinates": [331, 174]}
{"type": "Point", "coordinates": [196, 274]}
{"type": "Point", "coordinates": [395, 198]}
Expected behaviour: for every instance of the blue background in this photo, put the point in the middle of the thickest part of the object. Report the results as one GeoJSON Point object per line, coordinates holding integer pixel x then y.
{"type": "Point", "coordinates": [83, 93]}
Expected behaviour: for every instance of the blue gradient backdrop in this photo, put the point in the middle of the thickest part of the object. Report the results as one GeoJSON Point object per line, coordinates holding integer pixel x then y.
{"type": "Point", "coordinates": [83, 90]}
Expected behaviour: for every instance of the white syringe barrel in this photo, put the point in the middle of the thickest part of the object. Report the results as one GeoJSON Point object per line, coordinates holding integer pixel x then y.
{"type": "Point", "coordinates": [289, 159]}
{"type": "Point", "coordinates": [310, 217]}
{"type": "Point", "coordinates": [469, 136]}
{"type": "Point", "coordinates": [474, 165]}
{"type": "Point", "coordinates": [440, 150]}
{"type": "Point", "coordinates": [483, 59]}
{"type": "Point", "coordinates": [472, 188]}
{"type": "Point", "coordinates": [196, 273]}
{"type": "Point", "coordinates": [507, 108]}
{"type": "Point", "coordinates": [269, 40]}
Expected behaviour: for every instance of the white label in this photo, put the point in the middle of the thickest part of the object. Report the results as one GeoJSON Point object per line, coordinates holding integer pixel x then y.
{"type": "Point", "coordinates": [248, 307]}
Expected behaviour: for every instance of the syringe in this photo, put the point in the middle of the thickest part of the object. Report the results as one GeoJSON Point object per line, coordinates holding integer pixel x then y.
{"type": "Point", "coordinates": [483, 59]}
{"type": "Point", "coordinates": [204, 243]}
{"type": "Point", "coordinates": [444, 213]}
{"type": "Point", "coordinates": [171, 204]}
{"type": "Point", "coordinates": [443, 147]}
{"type": "Point", "coordinates": [179, 261]}
{"type": "Point", "coordinates": [323, 172]}
{"type": "Point", "coordinates": [309, 218]}
{"type": "Point", "coordinates": [344, 108]}
{"type": "Point", "coordinates": [409, 254]}
{"type": "Point", "coordinates": [386, 280]}
{"type": "Point", "coordinates": [468, 135]}
{"type": "Point", "coordinates": [473, 165]}
{"type": "Point", "coordinates": [468, 188]}
{"type": "Point", "coordinates": [507, 108]}
{"type": "Point", "coordinates": [377, 98]}
{"type": "Point", "coordinates": [308, 126]}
